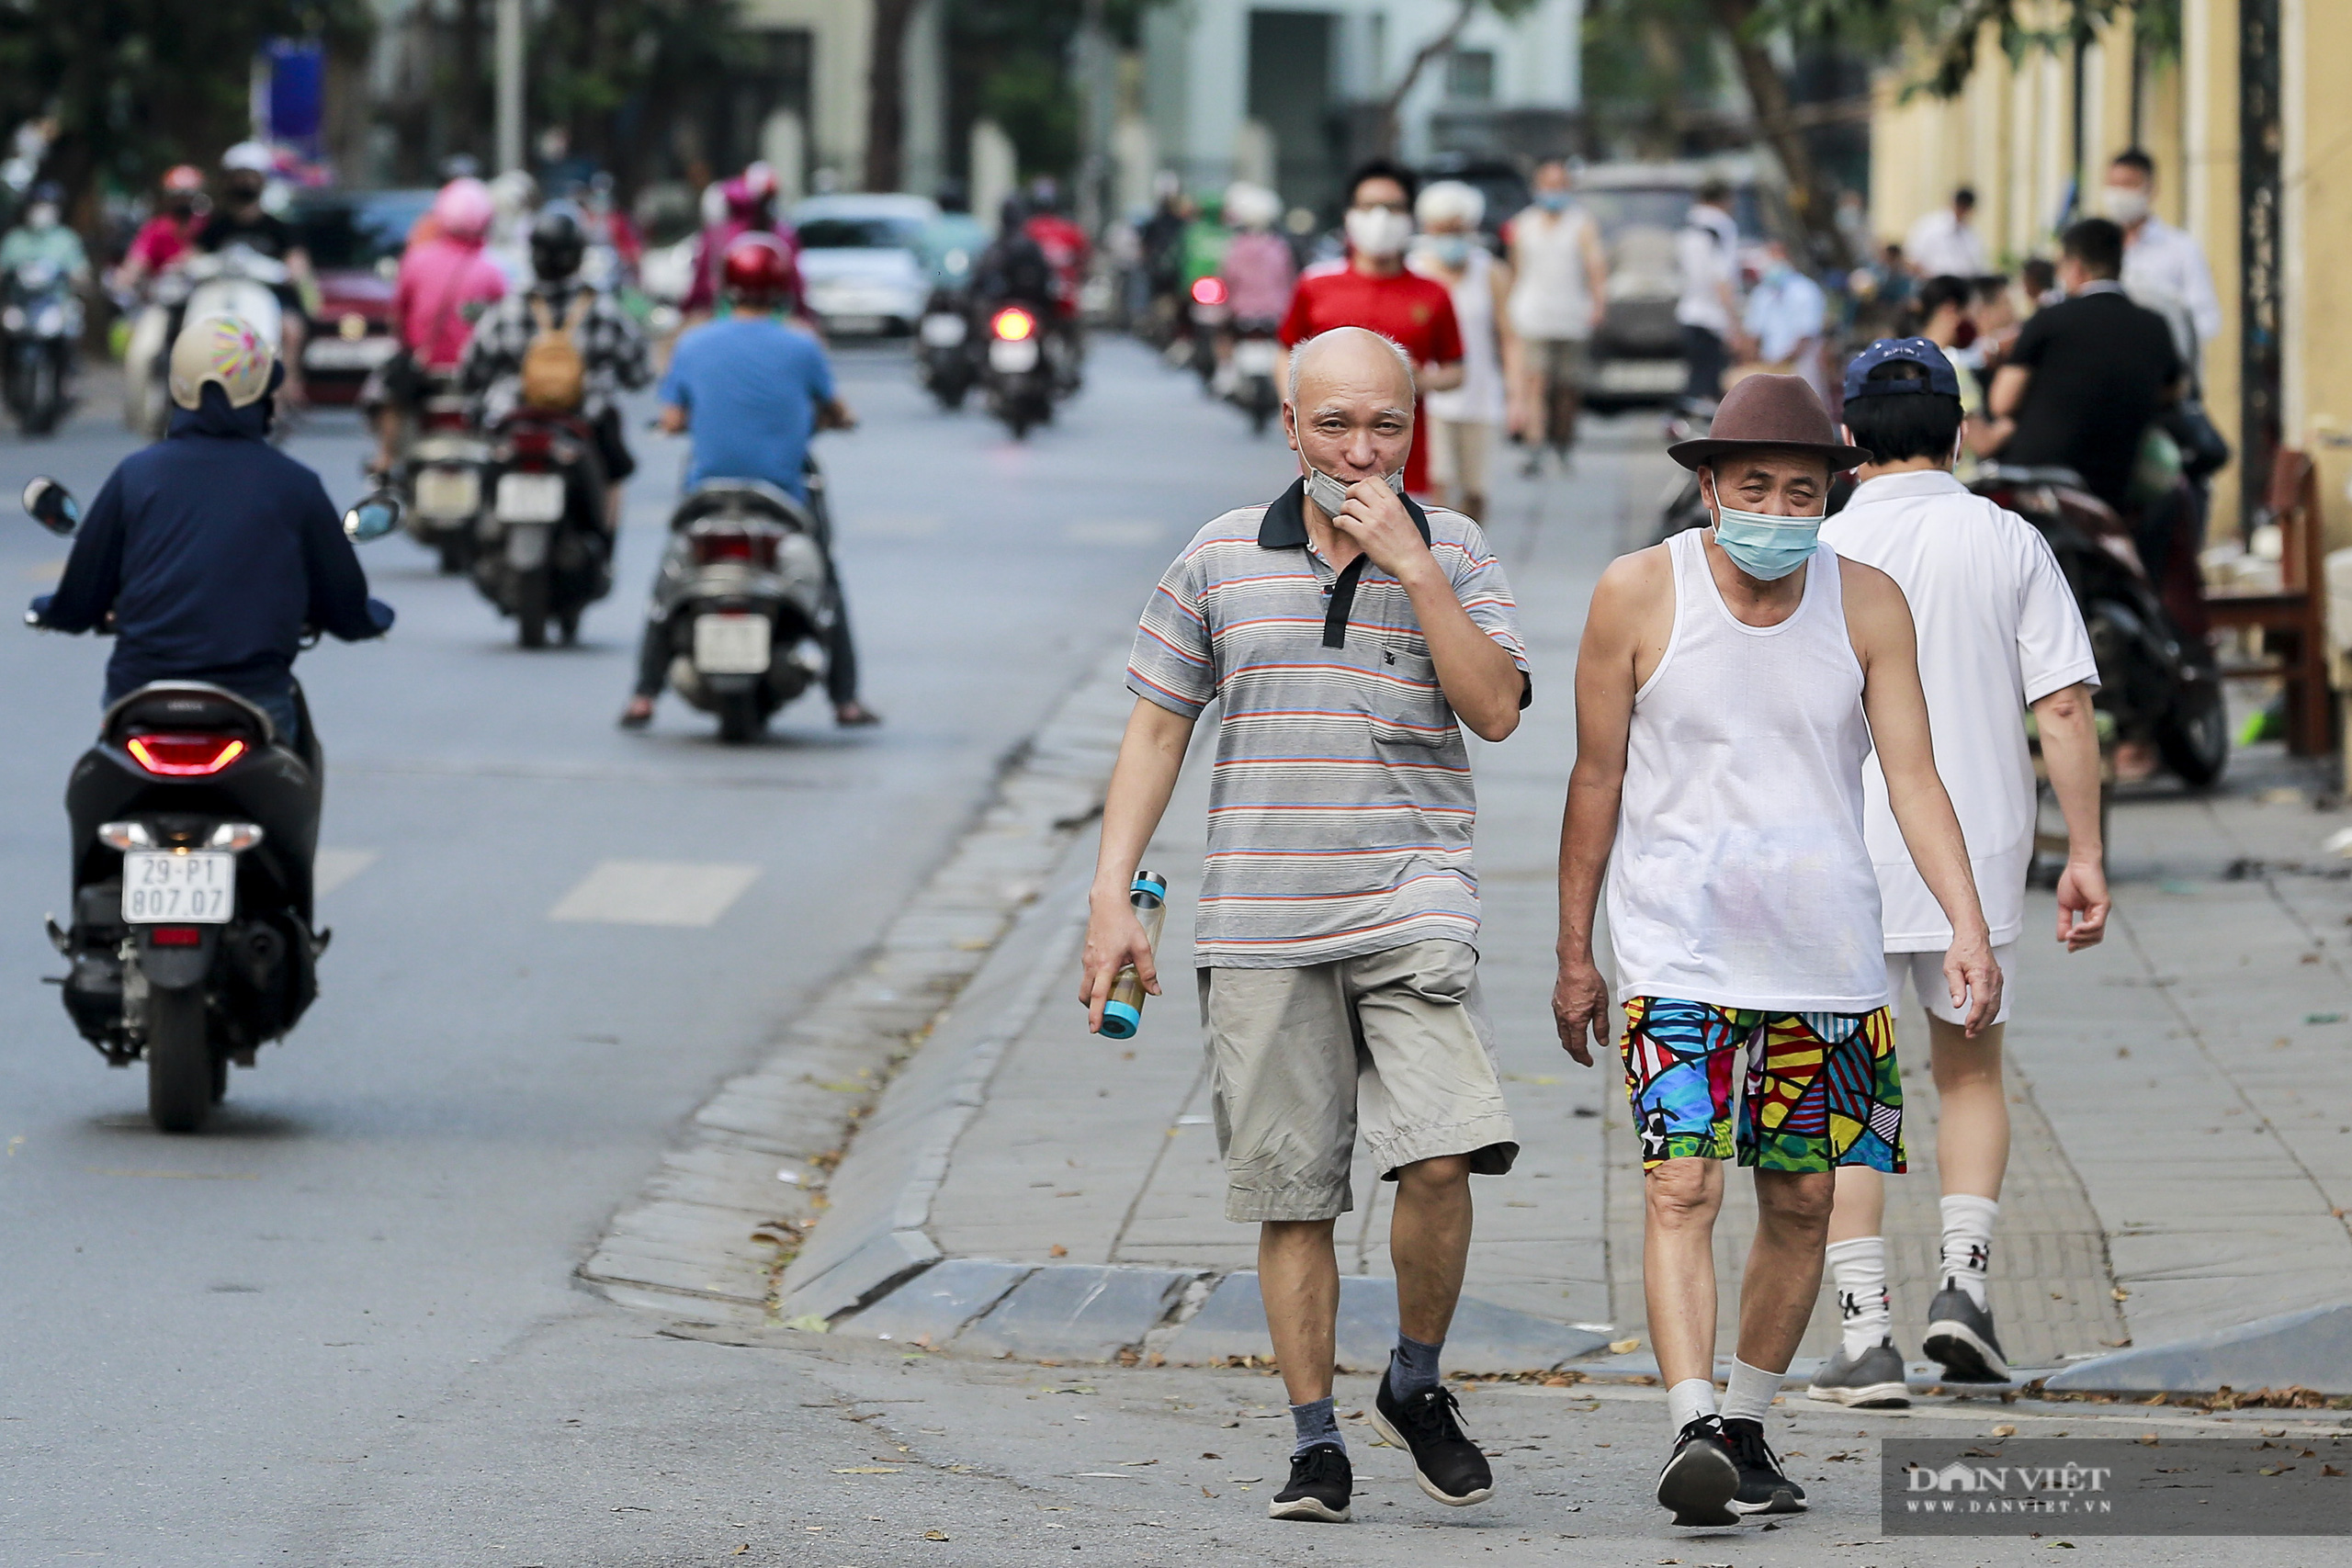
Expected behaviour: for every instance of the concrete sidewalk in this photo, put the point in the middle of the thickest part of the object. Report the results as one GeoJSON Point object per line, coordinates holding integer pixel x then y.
{"type": "Point", "coordinates": [2180, 1167]}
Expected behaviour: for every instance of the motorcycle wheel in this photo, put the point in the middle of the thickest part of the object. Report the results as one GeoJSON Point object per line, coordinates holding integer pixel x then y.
{"type": "Point", "coordinates": [950, 394]}
{"type": "Point", "coordinates": [44, 398]}
{"type": "Point", "coordinates": [1018, 421]}
{"type": "Point", "coordinates": [457, 555]}
{"type": "Point", "coordinates": [739, 717]}
{"type": "Point", "coordinates": [567, 628]}
{"type": "Point", "coordinates": [2194, 738]}
{"type": "Point", "coordinates": [531, 608]}
{"type": "Point", "coordinates": [180, 1068]}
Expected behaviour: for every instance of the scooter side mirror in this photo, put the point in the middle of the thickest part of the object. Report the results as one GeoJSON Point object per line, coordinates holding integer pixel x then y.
{"type": "Point", "coordinates": [52, 506]}
{"type": "Point", "coordinates": [373, 517]}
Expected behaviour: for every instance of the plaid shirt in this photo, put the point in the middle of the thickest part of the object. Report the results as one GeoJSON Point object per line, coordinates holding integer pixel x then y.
{"type": "Point", "coordinates": [608, 337]}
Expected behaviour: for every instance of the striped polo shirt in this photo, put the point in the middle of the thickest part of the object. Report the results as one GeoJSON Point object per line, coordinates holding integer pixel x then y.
{"type": "Point", "coordinates": [1340, 807]}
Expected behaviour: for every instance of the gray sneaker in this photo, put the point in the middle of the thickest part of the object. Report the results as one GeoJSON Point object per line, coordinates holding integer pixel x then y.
{"type": "Point", "coordinates": [1873, 1381]}
{"type": "Point", "coordinates": [1960, 1338]}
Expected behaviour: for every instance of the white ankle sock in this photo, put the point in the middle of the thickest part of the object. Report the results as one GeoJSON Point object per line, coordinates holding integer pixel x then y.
{"type": "Point", "coordinates": [1858, 1269]}
{"type": "Point", "coordinates": [1968, 1241]}
{"type": "Point", "coordinates": [1749, 1390]}
{"type": "Point", "coordinates": [1689, 1400]}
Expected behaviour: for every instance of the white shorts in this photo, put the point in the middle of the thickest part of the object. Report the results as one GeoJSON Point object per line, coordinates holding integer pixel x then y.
{"type": "Point", "coordinates": [1458, 449]}
{"type": "Point", "coordinates": [1926, 972]}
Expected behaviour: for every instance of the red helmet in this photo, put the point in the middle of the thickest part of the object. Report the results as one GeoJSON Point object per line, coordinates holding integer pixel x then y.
{"type": "Point", "coordinates": [183, 179]}
{"type": "Point", "coordinates": [758, 271]}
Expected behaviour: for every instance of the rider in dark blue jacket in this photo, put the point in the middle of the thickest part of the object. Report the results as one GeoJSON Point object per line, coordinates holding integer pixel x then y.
{"type": "Point", "coordinates": [211, 548]}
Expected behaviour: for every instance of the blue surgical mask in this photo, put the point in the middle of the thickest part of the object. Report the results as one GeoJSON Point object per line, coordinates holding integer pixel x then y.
{"type": "Point", "coordinates": [1551, 200]}
{"type": "Point", "coordinates": [1451, 250]}
{"type": "Point", "coordinates": [1765, 546]}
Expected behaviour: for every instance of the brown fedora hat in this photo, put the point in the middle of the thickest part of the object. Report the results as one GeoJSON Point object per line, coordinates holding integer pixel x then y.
{"type": "Point", "coordinates": [1780, 414]}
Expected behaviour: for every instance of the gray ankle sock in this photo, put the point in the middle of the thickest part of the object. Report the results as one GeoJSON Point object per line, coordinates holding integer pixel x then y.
{"type": "Point", "coordinates": [1316, 1423]}
{"type": "Point", "coordinates": [1413, 1368]}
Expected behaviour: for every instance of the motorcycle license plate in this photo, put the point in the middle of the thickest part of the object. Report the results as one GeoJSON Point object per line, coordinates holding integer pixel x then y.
{"type": "Point", "coordinates": [530, 498]}
{"type": "Point", "coordinates": [1255, 357]}
{"type": "Point", "coordinates": [198, 887]}
{"type": "Point", "coordinates": [1013, 356]}
{"type": "Point", "coordinates": [731, 644]}
{"type": "Point", "coordinates": [941, 329]}
{"type": "Point", "coordinates": [449, 492]}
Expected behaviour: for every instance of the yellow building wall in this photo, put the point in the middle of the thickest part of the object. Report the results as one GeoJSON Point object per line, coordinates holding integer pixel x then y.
{"type": "Point", "coordinates": [2317, 176]}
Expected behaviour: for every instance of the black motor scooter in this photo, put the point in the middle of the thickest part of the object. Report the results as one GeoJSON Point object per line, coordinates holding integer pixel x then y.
{"type": "Point", "coordinates": [541, 553]}
{"type": "Point", "coordinates": [1020, 375]}
{"type": "Point", "coordinates": [194, 827]}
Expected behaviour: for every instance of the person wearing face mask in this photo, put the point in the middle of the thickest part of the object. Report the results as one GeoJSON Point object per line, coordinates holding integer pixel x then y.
{"type": "Point", "coordinates": [169, 234]}
{"type": "Point", "coordinates": [42, 236]}
{"type": "Point", "coordinates": [1460, 424]}
{"type": "Point", "coordinates": [241, 219]}
{"type": "Point", "coordinates": [1731, 684]}
{"type": "Point", "coordinates": [1787, 316]}
{"type": "Point", "coordinates": [1559, 293]}
{"type": "Point", "coordinates": [1374, 289]}
{"type": "Point", "coordinates": [1998, 633]}
{"type": "Point", "coordinates": [1348, 636]}
{"type": "Point", "coordinates": [2158, 259]}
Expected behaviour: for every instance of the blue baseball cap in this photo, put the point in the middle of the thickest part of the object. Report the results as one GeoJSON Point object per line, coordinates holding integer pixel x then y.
{"type": "Point", "coordinates": [1919, 351]}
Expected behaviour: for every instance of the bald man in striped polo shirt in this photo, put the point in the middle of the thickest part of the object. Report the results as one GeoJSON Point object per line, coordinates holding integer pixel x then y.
{"type": "Point", "coordinates": [1346, 633]}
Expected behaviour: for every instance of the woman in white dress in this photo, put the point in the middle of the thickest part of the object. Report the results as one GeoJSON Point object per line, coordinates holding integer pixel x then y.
{"type": "Point", "coordinates": [1460, 426]}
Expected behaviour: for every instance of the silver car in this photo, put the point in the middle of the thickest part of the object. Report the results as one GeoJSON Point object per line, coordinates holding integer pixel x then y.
{"type": "Point", "coordinates": [861, 261]}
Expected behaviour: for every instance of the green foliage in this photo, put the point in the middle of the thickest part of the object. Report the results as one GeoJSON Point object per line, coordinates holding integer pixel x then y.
{"type": "Point", "coordinates": [1009, 60]}
{"type": "Point", "coordinates": [1952, 29]}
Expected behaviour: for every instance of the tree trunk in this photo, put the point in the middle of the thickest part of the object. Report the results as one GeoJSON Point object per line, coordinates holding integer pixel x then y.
{"type": "Point", "coordinates": [885, 96]}
{"type": "Point", "coordinates": [1421, 58]}
{"type": "Point", "coordinates": [465, 97]}
{"type": "Point", "coordinates": [1809, 194]}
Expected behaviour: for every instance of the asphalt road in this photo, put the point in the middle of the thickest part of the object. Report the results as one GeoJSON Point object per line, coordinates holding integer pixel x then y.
{"type": "Point", "coordinates": [205, 1334]}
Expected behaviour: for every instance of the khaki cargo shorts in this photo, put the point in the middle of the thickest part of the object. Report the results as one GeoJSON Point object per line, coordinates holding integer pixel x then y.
{"type": "Point", "coordinates": [1395, 1043]}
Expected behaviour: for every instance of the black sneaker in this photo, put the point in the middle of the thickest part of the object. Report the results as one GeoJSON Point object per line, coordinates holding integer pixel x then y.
{"type": "Point", "coordinates": [1701, 1479]}
{"type": "Point", "coordinates": [1762, 1488]}
{"type": "Point", "coordinates": [1321, 1482]}
{"type": "Point", "coordinates": [1871, 1380]}
{"type": "Point", "coordinates": [1960, 1338]}
{"type": "Point", "coordinates": [1448, 1465]}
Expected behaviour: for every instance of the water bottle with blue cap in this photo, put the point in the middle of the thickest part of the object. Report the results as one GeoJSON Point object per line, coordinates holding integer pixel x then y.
{"type": "Point", "coordinates": [1123, 1014]}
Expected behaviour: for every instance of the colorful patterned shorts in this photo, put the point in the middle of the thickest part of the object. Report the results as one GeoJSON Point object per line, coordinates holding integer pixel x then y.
{"type": "Point", "coordinates": [1821, 1088]}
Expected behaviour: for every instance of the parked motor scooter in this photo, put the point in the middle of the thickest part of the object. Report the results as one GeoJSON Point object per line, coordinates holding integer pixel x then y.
{"type": "Point", "coordinates": [194, 827]}
{"type": "Point", "coordinates": [945, 360]}
{"type": "Point", "coordinates": [442, 473]}
{"type": "Point", "coordinates": [40, 322]}
{"type": "Point", "coordinates": [541, 551]}
{"type": "Point", "coordinates": [1020, 374]}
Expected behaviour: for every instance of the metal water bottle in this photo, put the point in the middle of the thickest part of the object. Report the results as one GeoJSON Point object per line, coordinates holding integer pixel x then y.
{"type": "Point", "coordinates": [1123, 1014]}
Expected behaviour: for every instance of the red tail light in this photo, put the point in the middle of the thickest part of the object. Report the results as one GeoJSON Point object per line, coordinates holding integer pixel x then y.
{"type": "Point", "coordinates": [176, 936]}
{"type": "Point", "coordinates": [530, 443]}
{"type": "Point", "coordinates": [1013, 324]}
{"type": "Point", "coordinates": [444, 419]}
{"type": "Point", "coordinates": [1209, 291]}
{"type": "Point", "coordinates": [184, 755]}
{"type": "Point", "coordinates": [730, 545]}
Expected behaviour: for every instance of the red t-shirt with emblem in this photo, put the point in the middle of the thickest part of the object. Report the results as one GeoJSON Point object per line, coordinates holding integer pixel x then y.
{"type": "Point", "coordinates": [1415, 310]}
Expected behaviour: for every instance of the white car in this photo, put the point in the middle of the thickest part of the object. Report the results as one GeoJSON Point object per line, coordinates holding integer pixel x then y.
{"type": "Point", "coordinates": [861, 261]}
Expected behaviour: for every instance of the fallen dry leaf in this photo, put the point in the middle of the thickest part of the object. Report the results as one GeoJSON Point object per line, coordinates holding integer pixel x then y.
{"type": "Point", "coordinates": [1057, 1250]}
{"type": "Point", "coordinates": [2329, 1470]}
{"type": "Point", "coordinates": [740, 1550]}
{"type": "Point", "coordinates": [934, 1535]}
{"type": "Point", "coordinates": [1625, 1348]}
{"type": "Point", "coordinates": [2120, 1293]}
{"type": "Point", "coordinates": [2005, 1430]}
{"type": "Point", "coordinates": [1212, 1456]}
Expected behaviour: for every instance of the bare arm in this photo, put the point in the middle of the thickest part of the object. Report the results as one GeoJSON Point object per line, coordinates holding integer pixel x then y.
{"type": "Point", "coordinates": [1596, 271]}
{"type": "Point", "coordinates": [1499, 278]}
{"type": "Point", "coordinates": [834, 414]}
{"type": "Point", "coordinates": [1150, 755]}
{"type": "Point", "coordinates": [673, 420]}
{"type": "Point", "coordinates": [1879, 621]}
{"type": "Point", "coordinates": [1433, 378]}
{"type": "Point", "coordinates": [2001, 401]}
{"type": "Point", "coordinates": [2070, 752]}
{"type": "Point", "coordinates": [1481, 679]}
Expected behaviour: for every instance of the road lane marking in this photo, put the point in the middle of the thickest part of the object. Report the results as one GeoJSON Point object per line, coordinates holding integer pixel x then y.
{"type": "Point", "coordinates": [655, 893]}
{"type": "Point", "coordinates": [332, 868]}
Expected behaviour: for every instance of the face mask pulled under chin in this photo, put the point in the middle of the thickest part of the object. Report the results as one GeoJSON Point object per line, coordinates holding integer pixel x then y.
{"type": "Point", "coordinates": [1379, 230]}
{"type": "Point", "coordinates": [1330, 494]}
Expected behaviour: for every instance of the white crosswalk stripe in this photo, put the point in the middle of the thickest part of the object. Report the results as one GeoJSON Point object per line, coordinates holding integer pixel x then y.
{"type": "Point", "coordinates": [655, 893]}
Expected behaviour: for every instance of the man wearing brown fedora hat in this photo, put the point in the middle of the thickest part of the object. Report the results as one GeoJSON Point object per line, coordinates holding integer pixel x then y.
{"type": "Point", "coordinates": [1730, 684]}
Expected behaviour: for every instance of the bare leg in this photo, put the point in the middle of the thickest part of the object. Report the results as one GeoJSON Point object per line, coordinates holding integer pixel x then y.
{"type": "Point", "coordinates": [613, 499]}
{"type": "Point", "coordinates": [1429, 1242]}
{"type": "Point", "coordinates": [1298, 1276]}
{"type": "Point", "coordinates": [1784, 1274]}
{"type": "Point", "coordinates": [1681, 1199]}
{"type": "Point", "coordinates": [1972, 1111]}
{"type": "Point", "coordinates": [295, 392]}
{"type": "Point", "coordinates": [1861, 1203]}
{"type": "Point", "coordinates": [387, 420]}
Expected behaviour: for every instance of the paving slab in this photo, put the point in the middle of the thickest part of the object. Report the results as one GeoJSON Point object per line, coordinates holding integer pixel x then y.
{"type": "Point", "coordinates": [1077, 1313]}
{"type": "Point", "coordinates": [1485, 1338]}
{"type": "Point", "coordinates": [936, 1304]}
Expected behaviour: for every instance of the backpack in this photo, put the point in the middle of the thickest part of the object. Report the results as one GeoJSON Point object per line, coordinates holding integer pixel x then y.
{"type": "Point", "coordinates": [555, 373]}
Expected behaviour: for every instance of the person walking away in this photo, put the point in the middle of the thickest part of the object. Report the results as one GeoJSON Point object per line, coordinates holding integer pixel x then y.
{"type": "Point", "coordinates": [1945, 243]}
{"type": "Point", "coordinates": [1373, 290]}
{"type": "Point", "coordinates": [1258, 269]}
{"type": "Point", "coordinates": [169, 234]}
{"type": "Point", "coordinates": [442, 284]}
{"type": "Point", "coordinates": [1730, 683]}
{"type": "Point", "coordinates": [1787, 317]}
{"type": "Point", "coordinates": [1347, 634]}
{"type": "Point", "coordinates": [241, 219]}
{"type": "Point", "coordinates": [212, 550]}
{"type": "Point", "coordinates": [1559, 293]}
{"type": "Point", "coordinates": [1462, 422]}
{"type": "Point", "coordinates": [1998, 633]}
{"type": "Point", "coordinates": [752, 388]}
{"type": "Point", "coordinates": [2158, 259]}
{"type": "Point", "coordinates": [610, 343]}
{"type": "Point", "coordinates": [1706, 253]}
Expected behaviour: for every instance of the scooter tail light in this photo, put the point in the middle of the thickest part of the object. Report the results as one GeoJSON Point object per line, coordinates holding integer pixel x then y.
{"type": "Point", "coordinates": [532, 443]}
{"type": "Point", "coordinates": [175, 936]}
{"type": "Point", "coordinates": [444, 419]}
{"type": "Point", "coordinates": [184, 755]}
{"type": "Point", "coordinates": [126, 836]}
{"type": "Point", "coordinates": [1013, 324]}
{"type": "Point", "coordinates": [731, 544]}
{"type": "Point", "coordinates": [1208, 292]}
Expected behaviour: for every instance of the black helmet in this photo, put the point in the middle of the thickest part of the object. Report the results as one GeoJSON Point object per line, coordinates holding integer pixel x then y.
{"type": "Point", "coordinates": [558, 242]}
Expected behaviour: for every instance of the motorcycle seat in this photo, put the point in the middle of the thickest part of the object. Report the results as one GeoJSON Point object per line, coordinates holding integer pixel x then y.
{"type": "Point", "coordinates": [188, 705]}
{"type": "Point", "coordinates": [713, 497]}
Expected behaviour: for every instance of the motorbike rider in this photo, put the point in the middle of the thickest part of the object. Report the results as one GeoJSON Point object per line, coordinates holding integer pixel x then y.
{"type": "Point", "coordinates": [211, 551]}
{"type": "Point", "coordinates": [753, 387]}
{"type": "Point", "coordinates": [170, 233]}
{"type": "Point", "coordinates": [44, 237]}
{"type": "Point", "coordinates": [750, 209]}
{"type": "Point", "coordinates": [240, 220]}
{"type": "Point", "coordinates": [611, 346]}
{"type": "Point", "coordinates": [443, 282]}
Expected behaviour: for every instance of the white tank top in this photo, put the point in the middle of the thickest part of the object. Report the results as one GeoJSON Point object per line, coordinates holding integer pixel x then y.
{"type": "Point", "coordinates": [1740, 876]}
{"type": "Point", "coordinates": [1550, 298]}
{"type": "Point", "coordinates": [1479, 399]}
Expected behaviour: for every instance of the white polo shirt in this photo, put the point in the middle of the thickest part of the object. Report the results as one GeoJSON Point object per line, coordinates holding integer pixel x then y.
{"type": "Point", "coordinates": [1998, 629]}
